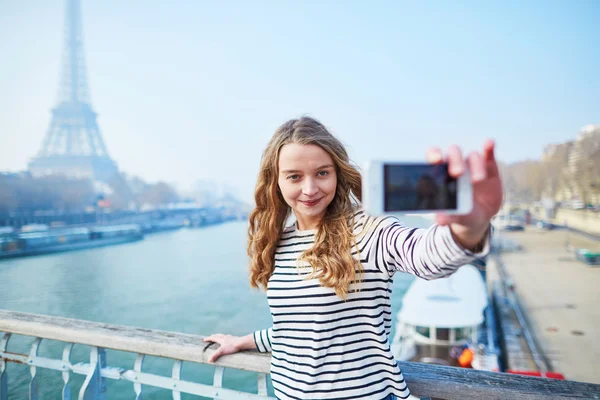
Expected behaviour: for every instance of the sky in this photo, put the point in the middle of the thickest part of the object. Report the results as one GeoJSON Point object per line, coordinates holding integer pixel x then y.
{"type": "Point", "coordinates": [189, 90]}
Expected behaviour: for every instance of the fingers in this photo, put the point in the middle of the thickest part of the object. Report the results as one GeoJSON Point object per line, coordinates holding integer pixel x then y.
{"type": "Point", "coordinates": [226, 345]}
{"type": "Point", "coordinates": [488, 150]}
{"type": "Point", "coordinates": [215, 356]}
{"type": "Point", "coordinates": [481, 165]}
{"type": "Point", "coordinates": [456, 164]}
{"type": "Point", "coordinates": [216, 338]}
{"type": "Point", "coordinates": [489, 158]}
{"type": "Point", "coordinates": [434, 155]}
{"type": "Point", "coordinates": [223, 350]}
{"type": "Point", "coordinates": [477, 167]}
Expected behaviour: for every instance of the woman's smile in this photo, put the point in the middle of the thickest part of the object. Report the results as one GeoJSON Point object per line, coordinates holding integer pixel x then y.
{"type": "Point", "coordinates": [310, 203]}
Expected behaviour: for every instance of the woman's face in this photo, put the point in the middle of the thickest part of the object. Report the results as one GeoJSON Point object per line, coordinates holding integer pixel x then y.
{"type": "Point", "coordinates": [307, 180]}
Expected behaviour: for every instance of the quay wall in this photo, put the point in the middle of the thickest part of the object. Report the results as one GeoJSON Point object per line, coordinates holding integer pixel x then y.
{"type": "Point", "coordinates": [584, 220]}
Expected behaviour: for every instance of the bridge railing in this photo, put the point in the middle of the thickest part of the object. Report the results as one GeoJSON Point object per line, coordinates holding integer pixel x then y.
{"type": "Point", "coordinates": [424, 380]}
{"type": "Point", "coordinates": [177, 347]}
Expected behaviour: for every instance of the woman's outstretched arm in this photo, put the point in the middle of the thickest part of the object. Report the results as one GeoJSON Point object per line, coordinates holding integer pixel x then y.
{"type": "Point", "coordinates": [427, 253]}
{"type": "Point", "coordinates": [456, 239]}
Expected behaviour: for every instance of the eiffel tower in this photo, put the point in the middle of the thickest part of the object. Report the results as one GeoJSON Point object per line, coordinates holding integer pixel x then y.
{"type": "Point", "coordinates": [73, 146]}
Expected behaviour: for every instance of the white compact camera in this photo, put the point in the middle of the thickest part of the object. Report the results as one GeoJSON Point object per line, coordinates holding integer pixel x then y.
{"type": "Point", "coordinates": [410, 188]}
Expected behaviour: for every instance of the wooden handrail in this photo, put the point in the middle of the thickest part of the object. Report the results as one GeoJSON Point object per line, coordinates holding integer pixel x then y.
{"type": "Point", "coordinates": [451, 383]}
{"type": "Point", "coordinates": [423, 379]}
{"type": "Point", "coordinates": [179, 346]}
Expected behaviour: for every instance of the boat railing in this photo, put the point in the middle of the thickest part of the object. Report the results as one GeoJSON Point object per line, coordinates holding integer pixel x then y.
{"type": "Point", "coordinates": [424, 380]}
{"type": "Point", "coordinates": [432, 335]}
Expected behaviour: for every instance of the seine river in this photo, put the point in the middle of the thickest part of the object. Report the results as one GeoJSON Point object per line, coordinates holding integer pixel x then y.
{"type": "Point", "coordinates": [190, 281]}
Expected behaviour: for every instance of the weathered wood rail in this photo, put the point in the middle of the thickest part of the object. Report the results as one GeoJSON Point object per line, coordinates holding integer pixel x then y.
{"type": "Point", "coordinates": [423, 379]}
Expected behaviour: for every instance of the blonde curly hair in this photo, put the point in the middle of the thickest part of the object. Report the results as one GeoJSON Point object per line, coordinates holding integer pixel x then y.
{"type": "Point", "coordinates": [331, 255]}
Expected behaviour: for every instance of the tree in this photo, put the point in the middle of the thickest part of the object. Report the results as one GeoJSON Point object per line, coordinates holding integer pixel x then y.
{"type": "Point", "coordinates": [158, 194]}
{"type": "Point", "coordinates": [121, 194]}
{"type": "Point", "coordinates": [21, 192]}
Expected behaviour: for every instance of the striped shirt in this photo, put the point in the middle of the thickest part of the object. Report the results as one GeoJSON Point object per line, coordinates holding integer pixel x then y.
{"type": "Point", "coordinates": [326, 348]}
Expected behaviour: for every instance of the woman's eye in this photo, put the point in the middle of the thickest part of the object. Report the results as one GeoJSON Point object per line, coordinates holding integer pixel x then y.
{"type": "Point", "coordinates": [323, 173]}
{"type": "Point", "coordinates": [293, 177]}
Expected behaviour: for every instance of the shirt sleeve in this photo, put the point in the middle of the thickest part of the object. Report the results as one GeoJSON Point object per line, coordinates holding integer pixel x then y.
{"type": "Point", "coordinates": [263, 340]}
{"type": "Point", "coordinates": [427, 253]}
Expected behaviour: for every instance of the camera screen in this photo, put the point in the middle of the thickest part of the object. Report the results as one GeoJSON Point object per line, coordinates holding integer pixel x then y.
{"type": "Point", "coordinates": [418, 187]}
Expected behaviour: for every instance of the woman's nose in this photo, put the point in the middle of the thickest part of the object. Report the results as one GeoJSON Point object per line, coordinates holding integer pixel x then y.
{"type": "Point", "coordinates": [310, 188]}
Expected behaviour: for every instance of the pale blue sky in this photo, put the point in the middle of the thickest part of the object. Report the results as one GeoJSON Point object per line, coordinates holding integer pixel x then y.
{"type": "Point", "coordinates": [190, 90]}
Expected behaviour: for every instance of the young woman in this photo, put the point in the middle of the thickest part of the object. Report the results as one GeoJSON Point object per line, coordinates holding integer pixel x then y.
{"type": "Point", "coordinates": [328, 276]}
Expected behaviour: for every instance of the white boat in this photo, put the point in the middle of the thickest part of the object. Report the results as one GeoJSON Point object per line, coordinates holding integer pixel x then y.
{"type": "Point", "coordinates": [444, 314]}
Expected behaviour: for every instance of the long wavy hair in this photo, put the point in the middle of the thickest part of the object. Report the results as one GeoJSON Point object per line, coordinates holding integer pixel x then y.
{"type": "Point", "coordinates": [331, 255]}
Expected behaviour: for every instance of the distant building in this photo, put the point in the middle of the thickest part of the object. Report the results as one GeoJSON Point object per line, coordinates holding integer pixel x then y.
{"type": "Point", "coordinates": [573, 163]}
{"type": "Point", "coordinates": [587, 141]}
{"type": "Point", "coordinates": [583, 151]}
{"type": "Point", "coordinates": [558, 151]}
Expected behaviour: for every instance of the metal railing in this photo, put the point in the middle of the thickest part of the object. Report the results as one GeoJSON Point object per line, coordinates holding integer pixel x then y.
{"type": "Point", "coordinates": [424, 380]}
{"type": "Point", "coordinates": [143, 342]}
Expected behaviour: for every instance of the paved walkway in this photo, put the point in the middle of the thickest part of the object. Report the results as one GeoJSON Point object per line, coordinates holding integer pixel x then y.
{"type": "Point", "coordinates": [561, 299]}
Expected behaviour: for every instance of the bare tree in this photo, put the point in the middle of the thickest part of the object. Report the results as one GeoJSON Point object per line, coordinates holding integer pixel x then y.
{"type": "Point", "coordinates": [157, 194]}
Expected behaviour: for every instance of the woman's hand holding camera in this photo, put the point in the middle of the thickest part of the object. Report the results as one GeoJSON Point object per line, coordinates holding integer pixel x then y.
{"type": "Point", "coordinates": [470, 229]}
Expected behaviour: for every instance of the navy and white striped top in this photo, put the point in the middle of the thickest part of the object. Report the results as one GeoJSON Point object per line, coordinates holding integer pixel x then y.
{"type": "Point", "coordinates": [326, 348]}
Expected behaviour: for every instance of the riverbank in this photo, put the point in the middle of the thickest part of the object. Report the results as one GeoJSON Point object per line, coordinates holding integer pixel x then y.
{"type": "Point", "coordinates": [559, 297]}
{"type": "Point", "coordinates": [46, 240]}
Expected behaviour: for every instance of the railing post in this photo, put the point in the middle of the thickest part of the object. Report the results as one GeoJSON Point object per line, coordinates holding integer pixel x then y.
{"type": "Point", "coordinates": [262, 384]}
{"type": "Point", "coordinates": [177, 375]}
{"type": "Point", "coordinates": [33, 386]}
{"type": "Point", "coordinates": [94, 386]}
{"type": "Point", "coordinates": [3, 374]}
{"type": "Point", "coordinates": [137, 367]}
{"type": "Point", "coordinates": [66, 359]}
{"type": "Point", "coordinates": [218, 379]}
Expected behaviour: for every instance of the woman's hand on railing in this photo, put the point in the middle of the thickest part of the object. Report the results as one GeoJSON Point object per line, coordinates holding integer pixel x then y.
{"type": "Point", "coordinates": [229, 344]}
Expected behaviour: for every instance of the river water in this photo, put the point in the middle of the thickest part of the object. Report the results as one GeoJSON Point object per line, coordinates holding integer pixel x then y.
{"type": "Point", "coordinates": [190, 281]}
